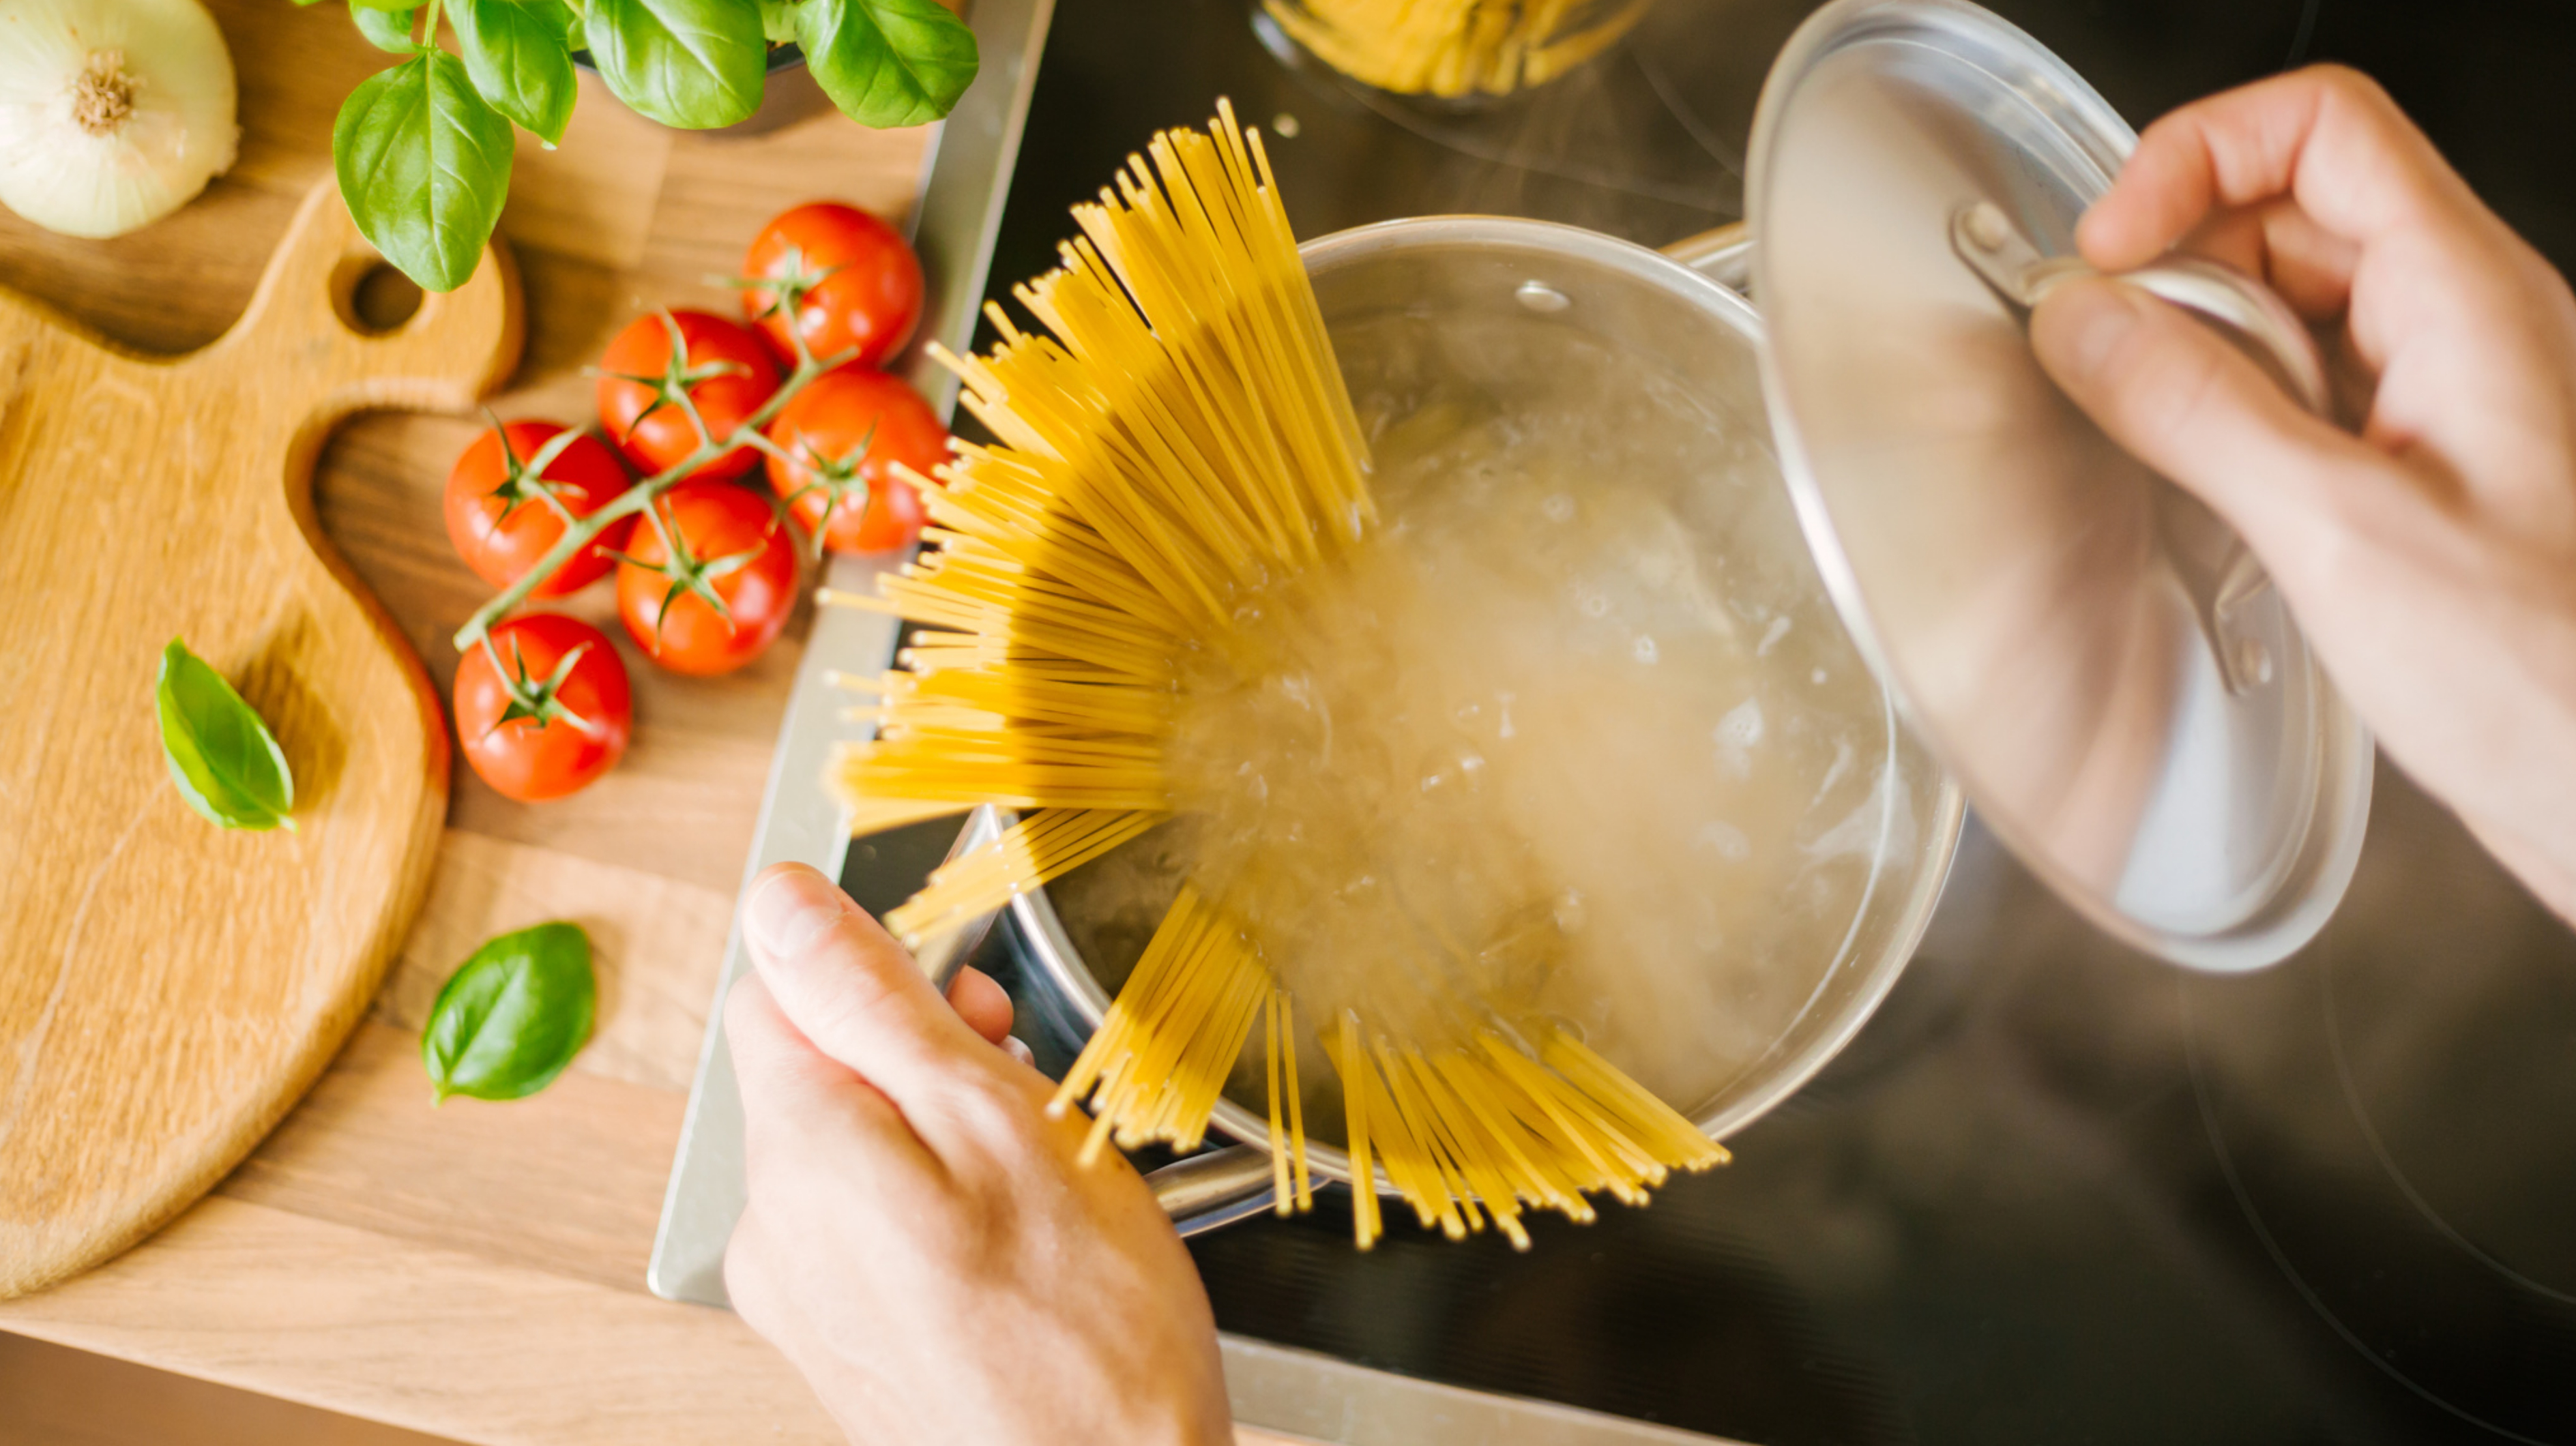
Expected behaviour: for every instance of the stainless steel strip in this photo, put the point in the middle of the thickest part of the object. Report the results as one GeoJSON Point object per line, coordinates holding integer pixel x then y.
{"type": "Point", "coordinates": [1320, 1399]}
{"type": "Point", "coordinates": [955, 221]}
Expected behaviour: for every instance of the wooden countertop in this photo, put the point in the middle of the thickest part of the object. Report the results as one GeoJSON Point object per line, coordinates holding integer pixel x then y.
{"type": "Point", "coordinates": [476, 1271]}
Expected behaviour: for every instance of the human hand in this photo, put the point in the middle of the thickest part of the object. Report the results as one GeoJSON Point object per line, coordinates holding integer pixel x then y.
{"type": "Point", "coordinates": [919, 1241]}
{"type": "Point", "coordinates": [2432, 559]}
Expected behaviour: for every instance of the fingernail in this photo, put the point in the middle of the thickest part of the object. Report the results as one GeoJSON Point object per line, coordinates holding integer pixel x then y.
{"type": "Point", "coordinates": [791, 910]}
{"type": "Point", "coordinates": [1018, 1049]}
{"type": "Point", "coordinates": [2082, 324]}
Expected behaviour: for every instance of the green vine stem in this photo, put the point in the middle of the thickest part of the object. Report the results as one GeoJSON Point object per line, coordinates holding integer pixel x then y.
{"type": "Point", "coordinates": [644, 494]}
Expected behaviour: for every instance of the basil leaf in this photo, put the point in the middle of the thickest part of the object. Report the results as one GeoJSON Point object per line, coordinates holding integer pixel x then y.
{"type": "Point", "coordinates": [778, 21]}
{"type": "Point", "coordinates": [887, 62]}
{"type": "Point", "coordinates": [694, 64]}
{"type": "Point", "coordinates": [385, 29]}
{"type": "Point", "coordinates": [225, 761]}
{"type": "Point", "coordinates": [520, 59]}
{"type": "Point", "coordinates": [378, 4]}
{"type": "Point", "coordinates": [512, 1016]}
{"type": "Point", "coordinates": [424, 165]}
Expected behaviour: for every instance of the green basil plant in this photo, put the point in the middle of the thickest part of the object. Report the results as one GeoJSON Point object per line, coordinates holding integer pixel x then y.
{"type": "Point", "coordinates": [423, 149]}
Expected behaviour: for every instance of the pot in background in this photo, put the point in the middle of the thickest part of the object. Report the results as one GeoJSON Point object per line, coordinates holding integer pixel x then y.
{"type": "Point", "coordinates": [1461, 59]}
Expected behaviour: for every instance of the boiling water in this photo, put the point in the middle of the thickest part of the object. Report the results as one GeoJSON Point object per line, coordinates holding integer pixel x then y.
{"type": "Point", "coordinates": [1575, 735]}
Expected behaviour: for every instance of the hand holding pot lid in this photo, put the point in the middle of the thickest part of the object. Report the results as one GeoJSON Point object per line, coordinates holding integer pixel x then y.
{"type": "Point", "coordinates": [2120, 690]}
{"type": "Point", "coordinates": [2428, 556]}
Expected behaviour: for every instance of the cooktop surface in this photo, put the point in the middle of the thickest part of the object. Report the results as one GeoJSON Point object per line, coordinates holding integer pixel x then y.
{"type": "Point", "coordinates": [2055, 1191]}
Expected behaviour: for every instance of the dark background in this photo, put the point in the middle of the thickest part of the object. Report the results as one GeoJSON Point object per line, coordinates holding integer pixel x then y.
{"type": "Point", "coordinates": [2055, 1192]}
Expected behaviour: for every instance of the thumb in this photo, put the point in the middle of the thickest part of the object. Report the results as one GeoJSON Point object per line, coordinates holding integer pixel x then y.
{"type": "Point", "coordinates": [2183, 400]}
{"type": "Point", "coordinates": [851, 989]}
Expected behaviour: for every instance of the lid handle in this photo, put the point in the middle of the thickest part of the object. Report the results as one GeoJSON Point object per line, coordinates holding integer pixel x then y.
{"type": "Point", "coordinates": [2215, 566]}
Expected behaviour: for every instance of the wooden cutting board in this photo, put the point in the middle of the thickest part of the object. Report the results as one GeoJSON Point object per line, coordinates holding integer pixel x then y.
{"type": "Point", "coordinates": [169, 989]}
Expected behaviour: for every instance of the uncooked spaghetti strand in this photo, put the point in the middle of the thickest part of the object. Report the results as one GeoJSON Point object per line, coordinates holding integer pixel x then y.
{"type": "Point", "coordinates": [1435, 1196]}
{"type": "Point", "coordinates": [1283, 1203]}
{"type": "Point", "coordinates": [1527, 1168]}
{"type": "Point", "coordinates": [1157, 1066]}
{"type": "Point", "coordinates": [1475, 1155]}
{"type": "Point", "coordinates": [1102, 708]}
{"type": "Point", "coordinates": [1172, 440]}
{"type": "Point", "coordinates": [1031, 852]}
{"type": "Point", "coordinates": [1110, 1039]}
{"type": "Point", "coordinates": [1407, 1161]}
{"type": "Point", "coordinates": [1364, 1221]}
{"type": "Point", "coordinates": [1463, 1186]}
{"type": "Point", "coordinates": [1531, 1094]}
{"type": "Point", "coordinates": [1546, 1090]}
{"type": "Point", "coordinates": [1296, 1105]}
{"type": "Point", "coordinates": [1195, 210]}
{"type": "Point", "coordinates": [1222, 1046]}
{"type": "Point", "coordinates": [1444, 1184]}
{"type": "Point", "coordinates": [1658, 1125]}
{"type": "Point", "coordinates": [1185, 1035]}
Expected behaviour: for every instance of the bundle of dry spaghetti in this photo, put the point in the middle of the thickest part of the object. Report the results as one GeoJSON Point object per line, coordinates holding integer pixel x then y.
{"type": "Point", "coordinates": [1177, 443]}
{"type": "Point", "coordinates": [1453, 48]}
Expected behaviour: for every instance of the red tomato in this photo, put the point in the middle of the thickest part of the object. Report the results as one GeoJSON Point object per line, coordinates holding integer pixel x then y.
{"type": "Point", "coordinates": [498, 514]}
{"type": "Point", "coordinates": [553, 716]}
{"type": "Point", "coordinates": [846, 278]}
{"type": "Point", "coordinates": [724, 370]}
{"type": "Point", "coordinates": [709, 589]}
{"type": "Point", "coordinates": [850, 497]}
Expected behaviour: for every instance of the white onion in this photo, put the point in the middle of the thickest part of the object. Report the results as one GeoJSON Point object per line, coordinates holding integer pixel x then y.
{"type": "Point", "coordinates": [112, 112]}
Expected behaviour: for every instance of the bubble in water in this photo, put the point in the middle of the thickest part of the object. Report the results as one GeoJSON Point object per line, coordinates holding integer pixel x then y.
{"type": "Point", "coordinates": [1559, 507]}
{"type": "Point", "coordinates": [1742, 725]}
{"type": "Point", "coordinates": [1771, 636]}
{"type": "Point", "coordinates": [1643, 649]}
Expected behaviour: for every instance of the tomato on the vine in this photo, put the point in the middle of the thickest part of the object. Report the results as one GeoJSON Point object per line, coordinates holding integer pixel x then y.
{"type": "Point", "coordinates": [710, 580]}
{"type": "Point", "coordinates": [842, 277]}
{"type": "Point", "coordinates": [542, 706]}
{"type": "Point", "coordinates": [719, 368]}
{"type": "Point", "coordinates": [515, 490]}
{"type": "Point", "coordinates": [846, 431]}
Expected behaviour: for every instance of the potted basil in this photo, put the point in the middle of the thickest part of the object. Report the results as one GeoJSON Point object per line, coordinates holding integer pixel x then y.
{"type": "Point", "coordinates": [423, 149]}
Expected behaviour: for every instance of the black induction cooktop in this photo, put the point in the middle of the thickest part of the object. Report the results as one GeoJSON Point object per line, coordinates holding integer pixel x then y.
{"type": "Point", "coordinates": [2055, 1192]}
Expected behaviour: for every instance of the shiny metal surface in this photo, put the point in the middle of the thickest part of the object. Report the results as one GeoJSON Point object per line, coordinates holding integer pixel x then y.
{"type": "Point", "coordinates": [941, 957]}
{"type": "Point", "coordinates": [1214, 1187]}
{"type": "Point", "coordinates": [1322, 1399]}
{"type": "Point", "coordinates": [955, 222]}
{"type": "Point", "coordinates": [1708, 337]}
{"type": "Point", "coordinates": [2240, 306]}
{"type": "Point", "coordinates": [2081, 643]}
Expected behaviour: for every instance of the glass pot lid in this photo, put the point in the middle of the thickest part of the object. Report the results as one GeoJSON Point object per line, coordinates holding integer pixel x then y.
{"type": "Point", "coordinates": [2096, 656]}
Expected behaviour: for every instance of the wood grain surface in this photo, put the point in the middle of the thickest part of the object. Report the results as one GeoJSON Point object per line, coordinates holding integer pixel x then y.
{"type": "Point", "coordinates": [167, 988]}
{"type": "Point", "coordinates": [476, 1271]}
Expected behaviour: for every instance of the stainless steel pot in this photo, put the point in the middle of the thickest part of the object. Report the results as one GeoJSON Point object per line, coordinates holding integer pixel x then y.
{"type": "Point", "coordinates": [1681, 309]}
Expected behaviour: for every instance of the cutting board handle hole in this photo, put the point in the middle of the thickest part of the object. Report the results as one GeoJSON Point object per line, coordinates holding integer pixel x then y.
{"type": "Point", "coordinates": [372, 298]}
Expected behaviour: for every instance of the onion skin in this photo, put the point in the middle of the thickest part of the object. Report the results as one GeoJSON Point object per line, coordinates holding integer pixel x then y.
{"type": "Point", "coordinates": [113, 113]}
